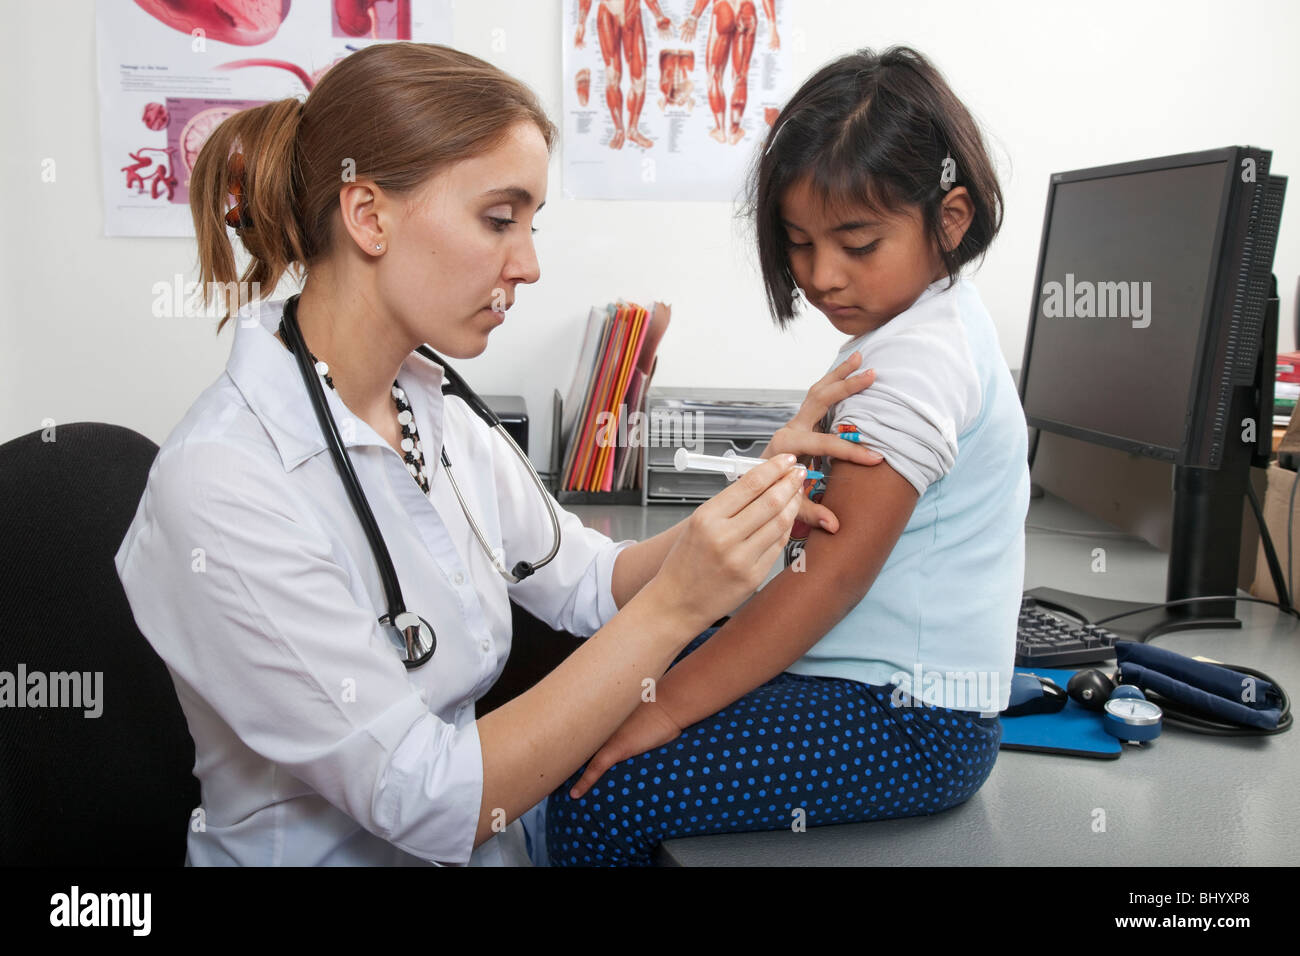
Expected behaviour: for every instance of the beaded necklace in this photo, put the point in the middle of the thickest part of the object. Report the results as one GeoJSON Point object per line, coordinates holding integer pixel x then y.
{"type": "Point", "coordinates": [412, 451]}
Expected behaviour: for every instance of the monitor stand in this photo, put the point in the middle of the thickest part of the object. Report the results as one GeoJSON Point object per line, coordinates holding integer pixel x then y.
{"type": "Point", "coordinates": [1203, 555]}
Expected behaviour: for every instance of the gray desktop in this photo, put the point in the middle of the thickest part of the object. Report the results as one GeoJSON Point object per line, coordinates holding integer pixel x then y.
{"type": "Point", "coordinates": [1183, 799]}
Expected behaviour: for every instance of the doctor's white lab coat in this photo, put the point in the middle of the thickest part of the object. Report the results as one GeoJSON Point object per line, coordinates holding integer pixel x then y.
{"type": "Point", "coordinates": [248, 572]}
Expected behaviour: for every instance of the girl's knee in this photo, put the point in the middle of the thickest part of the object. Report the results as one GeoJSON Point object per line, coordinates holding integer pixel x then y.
{"type": "Point", "coordinates": [596, 829]}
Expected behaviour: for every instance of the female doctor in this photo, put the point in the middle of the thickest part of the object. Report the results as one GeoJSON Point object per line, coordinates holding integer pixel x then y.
{"type": "Point", "coordinates": [404, 189]}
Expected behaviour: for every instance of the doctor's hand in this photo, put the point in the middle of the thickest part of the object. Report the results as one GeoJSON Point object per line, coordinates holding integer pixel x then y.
{"type": "Point", "coordinates": [729, 543]}
{"type": "Point", "coordinates": [800, 437]}
{"type": "Point", "coordinates": [648, 727]}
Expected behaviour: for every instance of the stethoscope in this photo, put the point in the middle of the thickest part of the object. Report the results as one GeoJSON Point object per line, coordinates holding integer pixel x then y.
{"type": "Point", "coordinates": [411, 634]}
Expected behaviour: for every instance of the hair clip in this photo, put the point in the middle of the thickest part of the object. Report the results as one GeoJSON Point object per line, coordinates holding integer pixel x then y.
{"type": "Point", "coordinates": [237, 217]}
{"type": "Point", "coordinates": [775, 136]}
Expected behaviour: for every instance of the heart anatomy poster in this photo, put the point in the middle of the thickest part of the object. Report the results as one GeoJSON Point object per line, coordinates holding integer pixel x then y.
{"type": "Point", "coordinates": [669, 99]}
{"type": "Point", "coordinates": [171, 70]}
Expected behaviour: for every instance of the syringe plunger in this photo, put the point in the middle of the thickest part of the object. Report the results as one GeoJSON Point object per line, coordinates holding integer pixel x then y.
{"type": "Point", "coordinates": [728, 463]}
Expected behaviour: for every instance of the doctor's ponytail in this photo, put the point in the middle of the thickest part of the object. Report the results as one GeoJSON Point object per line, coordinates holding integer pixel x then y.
{"type": "Point", "coordinates": [248, 164]}
{"type": "Point", "coordinates": [394, 114]}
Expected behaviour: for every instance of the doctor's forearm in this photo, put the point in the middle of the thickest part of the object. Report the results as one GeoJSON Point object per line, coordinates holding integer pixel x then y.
{"type": "Point", "coordinates": [533, 743]}
{"type": "Point", "coordinates": [797, 608]}
{"type": "Point", "coordinates": [637, 564]}
{"type": "Point", "coordinates": [771, 631]}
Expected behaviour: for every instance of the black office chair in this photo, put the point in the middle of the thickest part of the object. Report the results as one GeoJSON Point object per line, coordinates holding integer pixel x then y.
{"type": "Point", "coordinates": [112, 790]}
{"type": "Point", "coordinates": [536, 649]}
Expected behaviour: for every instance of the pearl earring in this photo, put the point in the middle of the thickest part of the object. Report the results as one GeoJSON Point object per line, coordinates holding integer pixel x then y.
{"type": "Point", "coordinates": [378, 246]}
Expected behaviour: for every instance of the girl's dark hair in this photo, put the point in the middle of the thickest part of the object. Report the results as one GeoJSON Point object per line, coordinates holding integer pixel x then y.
{"type": "Point", "coordinates": [392, 113]}
{"type": "Point", "coordinates": [873, 129]}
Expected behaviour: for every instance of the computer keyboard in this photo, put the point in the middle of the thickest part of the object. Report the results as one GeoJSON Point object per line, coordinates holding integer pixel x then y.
{"type": "Point", "coordinates": [1046, 639]}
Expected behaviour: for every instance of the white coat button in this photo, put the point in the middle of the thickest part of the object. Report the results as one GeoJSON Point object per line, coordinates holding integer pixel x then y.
{"type": "Point", "coordinates": [485, 644]}
{"type": "Point", "coordinates": [458, 579]}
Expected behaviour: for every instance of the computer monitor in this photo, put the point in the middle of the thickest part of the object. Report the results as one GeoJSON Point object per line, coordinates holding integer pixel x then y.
{"type": "Point", "coordinates": [1151, 332]}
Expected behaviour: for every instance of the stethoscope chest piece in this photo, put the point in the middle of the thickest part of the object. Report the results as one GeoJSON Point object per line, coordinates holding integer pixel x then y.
{"type": "Point", "coordinates": [413, 637]}
{"type": "Point", "coordinates": [410, 634]}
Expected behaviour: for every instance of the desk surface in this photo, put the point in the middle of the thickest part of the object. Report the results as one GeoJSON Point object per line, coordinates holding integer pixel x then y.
{"type": "Point", "coordinates": [1185, 799]}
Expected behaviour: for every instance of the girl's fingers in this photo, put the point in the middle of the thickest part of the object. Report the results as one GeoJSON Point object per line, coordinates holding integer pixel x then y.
{"type": "Point", "coordinates": [588, 779]}
{"type": "Point", "coordinates": [811, 513]}
{"type": "Point", "coordinates": [833, 446]}
{"type": "Point", "coordinates": [821, 445]}
{"type": "Point", "coordinates": [856, 383]}
{"type": "Point", "coordinates": [831, 389]}
{"type": "Point", "coordinates": [844, 369]}
{"type": "Point", "coordinates": [815, 404]}
{"type": "Point", "coordinates": [824, 518]}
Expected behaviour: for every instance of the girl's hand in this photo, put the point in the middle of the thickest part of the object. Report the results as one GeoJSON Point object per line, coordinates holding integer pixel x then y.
{"type": "Point", "coordinates": [648, 727]}
{"type": "Point", "coordinates": [799, 437]}
{"type": "Point", "coordinates": [729, 543]}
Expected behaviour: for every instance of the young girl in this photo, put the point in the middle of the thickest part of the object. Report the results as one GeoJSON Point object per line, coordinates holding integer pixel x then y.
{"type": "Point", "coordinates": [864, 681]}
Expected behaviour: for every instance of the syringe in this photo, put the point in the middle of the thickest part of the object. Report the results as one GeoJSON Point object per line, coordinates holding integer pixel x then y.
{"type": "Point", "coordinates": [728, 463]}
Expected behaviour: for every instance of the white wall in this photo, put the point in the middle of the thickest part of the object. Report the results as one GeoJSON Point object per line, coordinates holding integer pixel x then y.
{"type": "Point", "coordinates": [1057, 86]}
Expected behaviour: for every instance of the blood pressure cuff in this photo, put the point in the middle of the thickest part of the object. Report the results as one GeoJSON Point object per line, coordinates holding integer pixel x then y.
{"type": "Point", "coordinates": [1201, 688]}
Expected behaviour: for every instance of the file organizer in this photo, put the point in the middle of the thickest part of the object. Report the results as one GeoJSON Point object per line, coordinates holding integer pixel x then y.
{"type": "Point", "coordinates": [736, 419]}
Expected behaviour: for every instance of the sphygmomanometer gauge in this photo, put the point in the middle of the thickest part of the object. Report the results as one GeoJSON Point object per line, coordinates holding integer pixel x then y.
{"type": "Point", "coordinates": [1133, 719]}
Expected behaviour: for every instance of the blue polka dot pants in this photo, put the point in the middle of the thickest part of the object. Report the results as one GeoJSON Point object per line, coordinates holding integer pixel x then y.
{"type": "Point", "coordinates": [797, 751]}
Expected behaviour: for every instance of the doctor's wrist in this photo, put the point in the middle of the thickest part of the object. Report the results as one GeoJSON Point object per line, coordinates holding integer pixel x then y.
{"type": "Point", "coordinates": [678, 622]}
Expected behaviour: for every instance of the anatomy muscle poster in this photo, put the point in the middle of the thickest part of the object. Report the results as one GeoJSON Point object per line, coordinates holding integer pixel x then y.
{"type": "Point", "coordinates": [171, 70]}
{"type": "Point", "coordinates": [669, 99]}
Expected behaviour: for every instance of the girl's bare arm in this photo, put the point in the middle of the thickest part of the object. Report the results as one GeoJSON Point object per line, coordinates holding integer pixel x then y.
{"type": "Point", "coordinates": [796, 609]}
